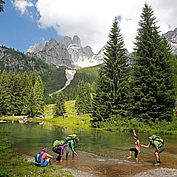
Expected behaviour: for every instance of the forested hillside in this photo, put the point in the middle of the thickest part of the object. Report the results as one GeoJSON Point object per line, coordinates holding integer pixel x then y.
{"type": "Point", "coordinates": [88, 75]}
{"type": "Point", "coordinates": [53, 78]}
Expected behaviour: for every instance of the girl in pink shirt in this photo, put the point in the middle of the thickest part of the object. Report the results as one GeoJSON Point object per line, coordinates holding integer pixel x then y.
{"type": "Point", "coordinates": [136, 149]}
{"type": "Point", "coordinates": [45, 158]}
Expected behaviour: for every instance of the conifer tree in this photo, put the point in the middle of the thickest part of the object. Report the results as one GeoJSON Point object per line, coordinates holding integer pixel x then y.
{"type": "Point", "coordinates": [101, 105]}
{"type": "Point", "coordinates": [111, 95]}
{"type": "Point", "coordinates": [38, 97]}
{"type": "Point", "coordinates": [1, 93]}
{"type": "Point", "coordinates": [1, 5]}
{"type": "Point", "coordinates": [83, 99]}
{"type": "Point", "coordinates": [60, 104]}
{"type": "Point", "coordinates": [17, 93]}
{"type": "Point", "coordinates": [27, 94]}
{"type": "Point", "coordinates": [153, 96]}
{"type": "Point", "coordinates": [6, 93]}
{"type": "Point", "coordinates": [173, 65]}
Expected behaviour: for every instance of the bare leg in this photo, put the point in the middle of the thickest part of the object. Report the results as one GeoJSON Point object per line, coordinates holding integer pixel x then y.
{"type": "Point", "coordinates": [157, 156]}
{"type": "Point", "coordinates": [130, 155]}
{"type": "Point", "coordinates": [136, 159]}
{"type": "Point", "coordinates": [67, 155]}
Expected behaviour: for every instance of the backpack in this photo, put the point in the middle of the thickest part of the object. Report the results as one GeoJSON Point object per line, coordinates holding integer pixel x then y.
{"type": "Point", "coordinates": [71, 137]}
{"type": "Point", "coordinates": [38, 158]}
{"type": "Point", "coordinates": [58, 143]}
{"type": "Point", "coordinates": [157, 138]}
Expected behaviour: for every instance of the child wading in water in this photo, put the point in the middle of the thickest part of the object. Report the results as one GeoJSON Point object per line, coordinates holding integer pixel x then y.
{"type": "Point", "coordinates": [158, 143]}
{"type": "Point", "coordinates": [136, 149]}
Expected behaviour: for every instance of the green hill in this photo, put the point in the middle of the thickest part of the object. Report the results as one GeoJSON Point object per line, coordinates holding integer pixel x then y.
{"type": "Point", "coordinates": [88, 75]}
{"type": "Point", "coordinates": [52, 77]}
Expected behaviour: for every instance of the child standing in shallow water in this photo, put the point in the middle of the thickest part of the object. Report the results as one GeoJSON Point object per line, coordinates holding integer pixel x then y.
{"type": "Point", "coordinates": [136, 149]}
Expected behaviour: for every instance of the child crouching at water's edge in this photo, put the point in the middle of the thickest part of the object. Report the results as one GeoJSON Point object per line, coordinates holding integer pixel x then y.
{"type": "Point", "coordinates": [59, 149]}
{"type": "Point", "coordinates": [136, 149]}
{"type": "Point", "coordinates": [42, 158]}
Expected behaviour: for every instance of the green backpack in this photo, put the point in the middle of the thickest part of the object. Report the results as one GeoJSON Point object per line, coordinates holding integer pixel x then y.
{"type": "Point", "coordinates": [58, 143]}
{"type": "Point", "coordinates": [157, 138]}
{"type": "Point", "coordinates": [71, 137]}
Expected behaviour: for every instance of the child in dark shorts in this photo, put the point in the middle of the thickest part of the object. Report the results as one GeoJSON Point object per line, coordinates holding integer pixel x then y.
{"type": "Point", "coordinates": [136, 149]}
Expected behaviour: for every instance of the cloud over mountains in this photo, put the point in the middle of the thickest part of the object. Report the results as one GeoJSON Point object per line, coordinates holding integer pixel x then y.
{"type": "Point", "coordinates": [92, 19]}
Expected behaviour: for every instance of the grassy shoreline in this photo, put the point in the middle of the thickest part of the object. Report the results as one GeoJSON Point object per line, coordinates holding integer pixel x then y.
{"type": "Point", "coordinates": [83, 122]}
{"type": "Point", "coordinates": [75, 122]}
{"type": "Point", "coordinates": [15, 164]}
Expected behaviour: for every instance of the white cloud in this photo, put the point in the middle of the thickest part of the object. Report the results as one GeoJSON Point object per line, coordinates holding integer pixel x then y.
{"type": "Point", "coordinates": [91, 20]}
{"type": "Point", "coordinates": [166, 13]}
{"type": "Point", "coordinates": [22, 5]}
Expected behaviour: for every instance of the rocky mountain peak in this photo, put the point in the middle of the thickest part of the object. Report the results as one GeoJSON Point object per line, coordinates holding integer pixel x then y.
{"type": "Point", "coordinates": [36, 48]}
{"type": "Point", "coordinates": [52, 42]}
{"type": "Point", "coordinates": [87, 49]}
{"type": "Point", "coordinates": [171, 36]}
{"type": "Point", "coordinates": [76, 40]}
{"type": "Point", "coordinates": [66, 41]}
{"type": "Point", "coordinates": [68, 52]}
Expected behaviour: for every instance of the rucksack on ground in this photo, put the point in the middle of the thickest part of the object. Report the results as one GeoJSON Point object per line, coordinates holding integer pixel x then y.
{"type": "Point", "coordinates": [38, 158]}
{"type": "Point", "coordinates": [58, 143]}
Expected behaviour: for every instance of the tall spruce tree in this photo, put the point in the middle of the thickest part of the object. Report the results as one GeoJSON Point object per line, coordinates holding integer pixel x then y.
{"type": "Point", "coordinates": [83, 99]}
{"type": "Point", "coordinates": [17, 93]}
{"type": "Point", "coordinates": [60, 104]}
{"type": "Point", "coordinates": [173, 64]}
{"type": "Point", "coordinates": [27, 94]}
{"type": "Point", "coordinates": [101, 105]}
{"type": "Point", "coordinates": [111, 94]}
{"type": "Point", "coordinates": [38, 97]}
{"type": "Point", "coordinates": [153, 96]}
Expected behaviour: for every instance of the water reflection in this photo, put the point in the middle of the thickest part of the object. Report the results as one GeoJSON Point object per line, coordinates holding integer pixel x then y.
{"type": "Point", "coordinates": [3, 121]}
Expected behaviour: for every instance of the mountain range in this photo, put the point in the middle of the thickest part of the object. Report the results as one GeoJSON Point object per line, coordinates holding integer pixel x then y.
{"type": "Point", "coordinates": [61, 64]}
{"type": "Point", "coordinates": [54, 78]}
{"type": "Point", "coordinates": [171, 37]}
{"type": "Point", "coordinates": [68, 52]}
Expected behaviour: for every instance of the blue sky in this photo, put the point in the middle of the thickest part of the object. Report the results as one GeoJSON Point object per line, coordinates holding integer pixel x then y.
{"type": "Point", "coordinates": [27, 22]}
{"type": "Point", "coordinates": [20, 31]}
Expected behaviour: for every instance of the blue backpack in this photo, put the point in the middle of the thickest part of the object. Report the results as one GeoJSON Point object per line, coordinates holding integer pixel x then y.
{"type": "Point", "coordinates": [38, 158]}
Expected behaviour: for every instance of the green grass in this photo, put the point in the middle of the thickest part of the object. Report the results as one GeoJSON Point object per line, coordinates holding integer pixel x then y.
{"type": "Point", "coordinates": [49, 110]}
{"type": "Point", "coordinates": [124, 125]}
{"type": "Point", "coordinates": [72, 120]}
{"type": "Point", "coordinates": [10, 118]}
